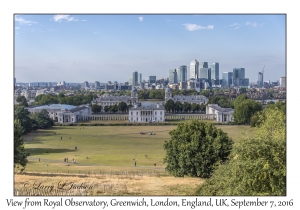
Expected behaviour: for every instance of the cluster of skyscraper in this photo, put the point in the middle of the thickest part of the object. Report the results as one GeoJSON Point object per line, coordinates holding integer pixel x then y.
{"type": "Point", "coordinates": [204, 74]}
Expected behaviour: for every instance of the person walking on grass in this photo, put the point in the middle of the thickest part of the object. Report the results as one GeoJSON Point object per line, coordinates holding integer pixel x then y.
{"type": "Point", "coordinates": [134, 164]}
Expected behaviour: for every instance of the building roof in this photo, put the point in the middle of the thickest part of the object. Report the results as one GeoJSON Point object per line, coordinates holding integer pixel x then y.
{"type": "Point", "coordinates": [220, 109]}
{"type": "Point", "coordinates": [77, 109]}
{"type": "Point", "coordinates": [54, 106]}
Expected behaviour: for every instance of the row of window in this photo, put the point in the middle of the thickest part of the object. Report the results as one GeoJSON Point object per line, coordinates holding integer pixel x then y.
{"type": "Point", "coordinates": [137, 113]}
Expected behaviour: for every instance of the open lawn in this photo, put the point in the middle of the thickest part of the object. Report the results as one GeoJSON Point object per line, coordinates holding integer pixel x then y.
{"type": "Point", "coordinates": [107, 151]}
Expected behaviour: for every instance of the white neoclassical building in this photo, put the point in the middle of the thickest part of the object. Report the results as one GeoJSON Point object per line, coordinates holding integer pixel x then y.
{"type": "Point", "coordinates": [147, 113]}
{"type": "Point", "coordinates": [193, 99]}
{"type": "Point", "coordinates": [64, 113]}
{"type": "Point", "coordinates": [222, 114]}
{"type": "Point", "coordinates": [107, 100]}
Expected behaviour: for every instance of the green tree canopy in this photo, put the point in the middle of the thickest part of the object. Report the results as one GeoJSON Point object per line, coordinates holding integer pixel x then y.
{"type": "Point", "coordinates": [169, 106]}
{"type": "Point", "coordinates": [244, 110]}
{"type": "Point", "coordinates": [22, 115]}
{"type": "Point", "coordinates": [41, 119]}
{"type": "Point", "coordinates": [20, 155]}
{"type": "Point", "coordinates": [122, 106]}
{"type": "Point", "coordinates": [22, 100]}
{"type": "Point", "coordinates": [257, 165]}
{"type": "Point", "coordinates": [194, 148]}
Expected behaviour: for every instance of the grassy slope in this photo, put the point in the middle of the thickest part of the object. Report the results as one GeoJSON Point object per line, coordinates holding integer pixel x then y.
{"type": "Point", "coordinates": [108, 148]}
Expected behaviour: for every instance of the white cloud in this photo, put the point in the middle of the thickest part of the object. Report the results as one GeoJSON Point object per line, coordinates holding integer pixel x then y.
{"type": "Point", "coordinates": [141, 19]}
{"type": "Point", "coordinates": [235, 26]}
{"type": "Point", "coordinates": [194, 27]}
{"type": "Point", "coordinates": [251, 24]}
{"type": "Point", "coordinates": [21, 20]}
{"type": "Point", "coordinates": [67, 18]}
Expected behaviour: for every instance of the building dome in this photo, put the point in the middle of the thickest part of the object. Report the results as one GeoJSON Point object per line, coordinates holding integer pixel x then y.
{"type": "Point", "coordinates": [168, 90]}
{"type": "Point", "coordinates": [134, 89]}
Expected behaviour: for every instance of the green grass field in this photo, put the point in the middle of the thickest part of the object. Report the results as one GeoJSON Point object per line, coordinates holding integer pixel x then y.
{"type": "Point", "coordinates": [103, 148]}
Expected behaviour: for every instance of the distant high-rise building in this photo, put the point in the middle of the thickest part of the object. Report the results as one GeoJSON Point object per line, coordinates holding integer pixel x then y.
{"type": "Point", "coordinates": [152, 79]}
{"type": "Point", "coordinates": [15, 81]}
{"type": "Point", "coordinates": [135, 78]}
{"type": "Point", "coordinates": [214, 71]}
{"type": "Point", "coordinates": [205, 73]}
{"type": "Point", "coordinates": [86, 84]}
{"type": "Point", "coordinates": [140, 78]}
{"type": "Point", "coordinates": [227, 79]}
{"type": "Point", "coordinates": [260, 81]}
{"type": "Point", "coordinates": [49, 84]}
{"type": "Point", "coordinates": [238, 76]}
{"type": "Point", "coordinates": [172, 76]}
{"type": "Point", "coordinates": [203, 65]}
{"type": "Point", "coordinates": [182, 74]}
{"type": "Point", "coordinates": [97, 84]}
{"type": "Point", "coordinates": [194, 69]}
{"type": "Point", "coordinates": [282, 82]}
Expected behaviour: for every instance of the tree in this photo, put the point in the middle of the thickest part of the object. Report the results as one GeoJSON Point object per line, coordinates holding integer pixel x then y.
{"type": "Point", "coordinates": [22, 115]}
{"type": "Point", "coordinates": [113, 108]}
{"type": "Point", "coordinates": [96, 108]}
{"type": "Point", "coordinates": [169, 106]}
{"type": "Point", "coordinates": [186, 106]}
{"type": "Point", "coordinates": [194, 148]}
{"type": "Point", "coordinates": [106, 108]}
{"type": "Point", "coordinates": [194, 107]}
{"type": "Point", "coordinates": [42, 119]}
{"type": "Point", "coordinates": [22, 100]}
{"type": "Point", "coordinates": [205, 93]}
{"type": "Point", "coordinates": [244, 110]}
{"type": "Point", "coordinates": [122, 106]}
{"type": "Point", "coordinates": [257, 165]}
{"type": "Point", "coordinates": [239, 99]}
{"type": "Point", "coordinates": [178, 106]}
{"type": "Point", "coordinates": [20, 155]}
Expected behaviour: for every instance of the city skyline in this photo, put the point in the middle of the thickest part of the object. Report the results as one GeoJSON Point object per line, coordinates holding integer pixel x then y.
{"type": "Point", "coordinates": [78, 48]}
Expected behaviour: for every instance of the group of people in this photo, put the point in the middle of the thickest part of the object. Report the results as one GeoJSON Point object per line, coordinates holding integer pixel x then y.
{"type": "Point", "coordinates": [66, 160]}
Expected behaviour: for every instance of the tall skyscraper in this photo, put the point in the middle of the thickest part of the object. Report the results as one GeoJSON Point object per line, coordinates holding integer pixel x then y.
{"type": "Point", "coordinates": [182, 74]}
{"type": "Point", "coordinates": [260, 81]}
{"type": "Point", "coordinates": [194, 66]}
{"type": "Point", "coordinates": [135, 80]}
{"type": "Point", "coordinates": [214, 71]}
{"type": "Point", "coordinates": [97, 84]}
{"type": "Point", "coordinates": [282, 82]}
{"type": "Point", "coordinates": [238, 76]}
{"type": "Point", "coordinates": [203, 65]}
{"type": "Point", "coordinates": [205, 73]}
{"type": "Point", "coordinates": [86, 84]}
{"type": "Point", "coordinates": [227, 79]}
{"type": "Point", "coordinates": [172, 76]}
{"type": "Point", "coordinates": [140, 78]}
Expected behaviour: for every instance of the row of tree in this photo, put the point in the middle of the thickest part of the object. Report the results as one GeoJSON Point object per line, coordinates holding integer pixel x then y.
{"type": "Point", "coordinates": [171, 106]}
{"type": "Point", "coordinates": [121, 107]}
{"type": "Point", "coordinates": [62, 99]}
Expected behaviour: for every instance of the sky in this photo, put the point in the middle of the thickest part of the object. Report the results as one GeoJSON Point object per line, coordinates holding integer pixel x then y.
{"type": "Point", "coordinates": [78, 48]}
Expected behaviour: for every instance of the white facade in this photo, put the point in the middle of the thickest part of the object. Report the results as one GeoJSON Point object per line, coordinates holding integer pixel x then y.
{"type": "Point", "coordinates": [197, 99]}
{"type": "Point", "coordinates": [222, 114]}
{"type": "Point", "coordinates": [63, 113]}
{"type": "Point", "coordinates": [107, 100]}
{"type": "Point", "coordinates": [147, 114]}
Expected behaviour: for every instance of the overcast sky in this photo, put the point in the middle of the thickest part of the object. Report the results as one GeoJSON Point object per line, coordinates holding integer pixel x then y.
{"type": "Point", "coordinates": [78, 48]}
